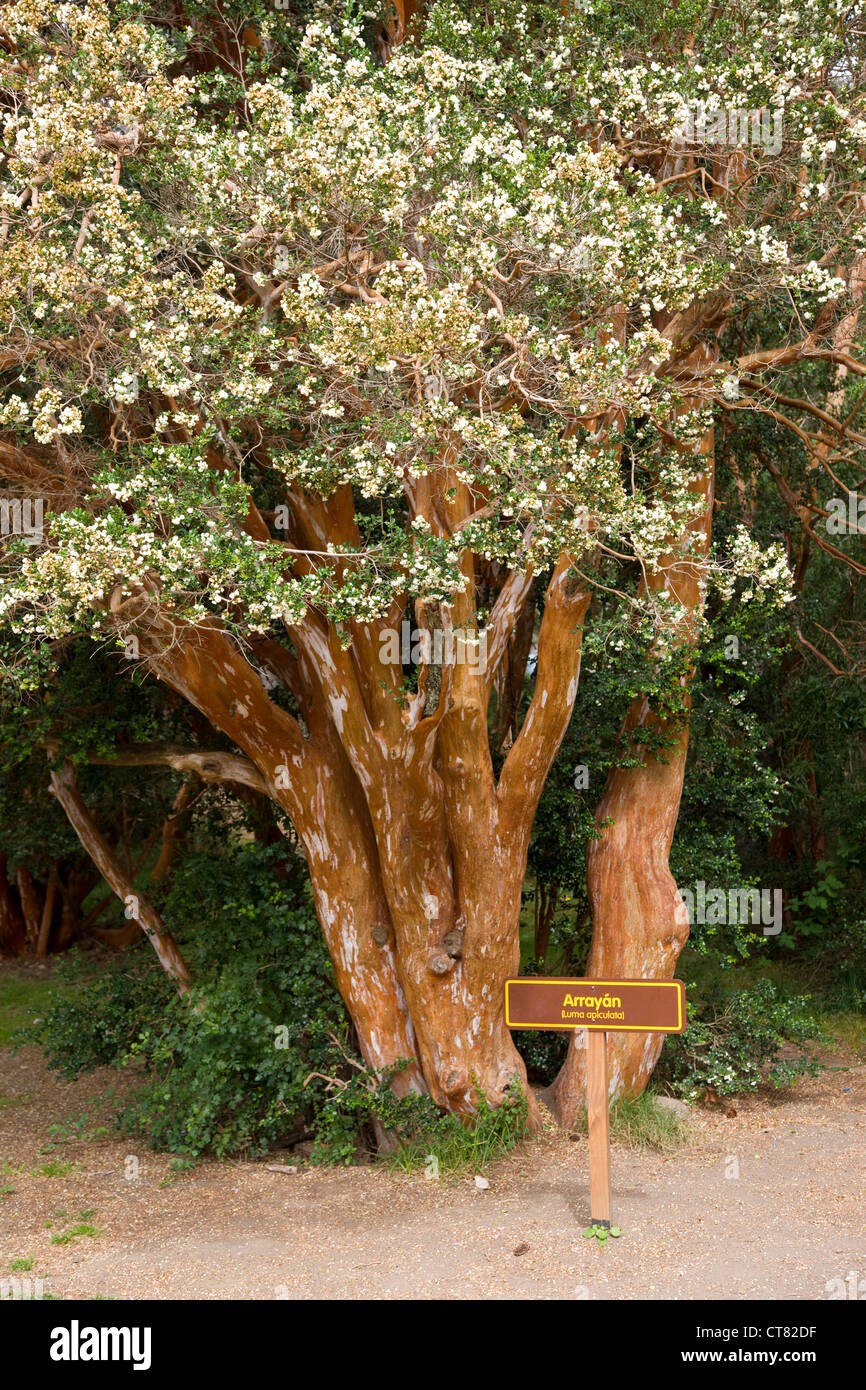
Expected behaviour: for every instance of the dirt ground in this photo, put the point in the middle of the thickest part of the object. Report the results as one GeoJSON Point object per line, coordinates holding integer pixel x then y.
{"type": "Point", "coordinates": [793, 1219]}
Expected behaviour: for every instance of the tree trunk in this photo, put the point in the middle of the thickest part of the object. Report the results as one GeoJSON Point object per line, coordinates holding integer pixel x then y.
{"type": "Point", "coordinates": [312, 780]}
{"type": "Point", "coordinates": [510, 677]}
{"type": "Point", "coordinates": [30, 909]}
{"type": "Point", "coordinates": [13, 933]}
{"type": "Point", "coordinates": [44, 936]}
{"type": "Point", "coordinates": [174, 828]}
{"type": "Point", "coordinates": [416, 856]}
{"type": "Point", "coordinates": [640, 923]}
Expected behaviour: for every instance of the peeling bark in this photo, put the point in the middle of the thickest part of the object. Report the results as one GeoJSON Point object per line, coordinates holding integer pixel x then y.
{"type": "Point", "coordinates": [312, 781]}
{"type": "Point", "coordinates": [640, 923]}
{"type": "Point", "coordinates": [416, 856]}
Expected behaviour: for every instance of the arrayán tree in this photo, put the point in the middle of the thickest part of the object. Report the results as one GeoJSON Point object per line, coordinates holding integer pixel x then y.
{"type": "Point", "coordinates": [319, 325]}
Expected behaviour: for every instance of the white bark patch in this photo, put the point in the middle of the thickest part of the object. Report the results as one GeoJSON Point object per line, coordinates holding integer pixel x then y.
{"type": "Point", "coordinates": [319, 845]}
{"type": "Point", "coordinates": [339, 704]}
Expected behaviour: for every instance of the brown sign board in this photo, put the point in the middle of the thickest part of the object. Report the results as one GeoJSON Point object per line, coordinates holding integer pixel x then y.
{"type": "Point", "coordinates": [614, 1006]}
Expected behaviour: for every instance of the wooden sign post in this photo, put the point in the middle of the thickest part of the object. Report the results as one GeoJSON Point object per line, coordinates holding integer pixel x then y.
{"type": "Point", "coordinates": [601, 1007]}
{"type": "Point", "coordinates": [598, 1125]}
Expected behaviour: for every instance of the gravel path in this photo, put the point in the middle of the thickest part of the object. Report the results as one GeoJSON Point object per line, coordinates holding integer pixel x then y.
{"type": "Point", "coordinates": [790, 1222]}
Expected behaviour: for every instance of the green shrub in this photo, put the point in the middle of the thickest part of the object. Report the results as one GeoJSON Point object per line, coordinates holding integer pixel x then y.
{"type": "Point", "coordinates": [224, 1069]}
{"type": "Point", "coordinates": [262, 1048]}
{"type": "Point", "coordinates": [543, 1052]}
{"type": "Point", "coordinates": [359, 1103]}
{"type": "Point", "coordinates": [733, 1042]}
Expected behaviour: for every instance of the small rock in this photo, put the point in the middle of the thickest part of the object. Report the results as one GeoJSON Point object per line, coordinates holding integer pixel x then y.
{"type": "Point", "coordinates": [522, 1248]}
{"type": "Point", "coordinates": [281, 1167]}
{"type": "Point", "coordinates": [678, 1107]}
{"type": "Point", "coordinates": [481, 1183]}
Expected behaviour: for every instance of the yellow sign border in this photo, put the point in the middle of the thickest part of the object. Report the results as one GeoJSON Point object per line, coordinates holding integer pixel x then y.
{"type": "Point", "coordinates": [596, 1027]}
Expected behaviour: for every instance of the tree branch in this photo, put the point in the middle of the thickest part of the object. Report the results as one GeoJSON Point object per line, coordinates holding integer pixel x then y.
{"type": "Point", "coordinates": [64, 785]}
{"type": "Point", "coordinates": [211, 766]}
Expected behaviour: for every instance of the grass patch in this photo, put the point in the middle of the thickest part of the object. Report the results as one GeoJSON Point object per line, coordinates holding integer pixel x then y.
{"type": "Point", "coordinates": [847, 1030]}
{"type": "Point", "coordinates": [82, 1125]}
{"type": "Point", "coordinates": [6, 1101]}
{"type": "Point", "coordinates": [451, 1146]}
{"type": "Point", "coordinates": [22, 999]}
{"type": "Point", "coordinates": [82, 1226]}
{"type": "Point", "coordinates": [22, 1266]}
{"type": "Point", "coordinates": [642, 1124]}
{"type": "Point", "coordinates": [53, 1169]}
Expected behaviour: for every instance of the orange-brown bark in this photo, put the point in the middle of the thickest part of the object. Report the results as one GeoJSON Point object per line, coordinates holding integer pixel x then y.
{"type": "Point", "coordinates": [311, 779]}
{"type": "Point", "coordinates": [44, 935]}
{"type": "Point", "coordinates": [416, 855]}
{"type": "Point", "coordinates": [640, 923]}
{"type": "Point", "coordinates": [450, 844]}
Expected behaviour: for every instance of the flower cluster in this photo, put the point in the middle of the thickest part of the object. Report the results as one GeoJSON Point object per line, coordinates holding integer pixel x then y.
{"type": "Point", "coordinates": [452, 282]}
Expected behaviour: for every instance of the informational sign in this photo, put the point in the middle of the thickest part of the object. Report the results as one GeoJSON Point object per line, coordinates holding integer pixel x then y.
{"type": "Point", "coordinates": [628, 1006]}
{"type": "Point", "coordinates": [600, 1007]}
